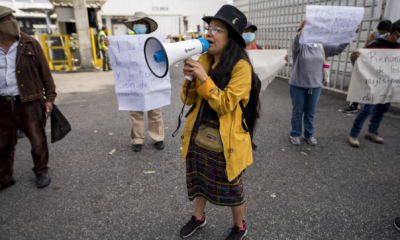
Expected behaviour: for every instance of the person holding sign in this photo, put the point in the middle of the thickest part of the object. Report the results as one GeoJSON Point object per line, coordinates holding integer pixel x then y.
{"type": "Point", "coordinates": [383, 30]}
{"type": "Point", "coordinates": [216, 143]}
{"type": "Point", "coordinates": [142, 24]}
{"type": "Point", "coordinates": [306, 82]}
{"type": "Point", "coordinates": [392, 41]}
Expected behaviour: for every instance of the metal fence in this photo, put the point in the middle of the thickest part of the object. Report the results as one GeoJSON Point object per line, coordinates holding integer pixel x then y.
{"type": "Point", "coordinates": [278, 21]}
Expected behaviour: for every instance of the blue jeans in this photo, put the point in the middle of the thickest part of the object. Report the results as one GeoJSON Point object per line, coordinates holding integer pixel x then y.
{"type": "Point", "coordinates": [304, 101]}
{"type": "Point", "coordinates": [377, 110]}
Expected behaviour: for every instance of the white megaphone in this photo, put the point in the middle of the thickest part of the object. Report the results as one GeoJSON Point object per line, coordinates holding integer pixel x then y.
{"type": "Point", "coordinates": [161, 56]}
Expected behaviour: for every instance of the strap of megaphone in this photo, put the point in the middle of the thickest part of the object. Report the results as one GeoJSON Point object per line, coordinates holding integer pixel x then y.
{"type": "Point", "coordinates": [183, 108]}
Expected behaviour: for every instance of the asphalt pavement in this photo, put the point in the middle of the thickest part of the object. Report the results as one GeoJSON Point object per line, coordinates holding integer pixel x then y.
{"type": "Point", "coordinates": [330, 191]}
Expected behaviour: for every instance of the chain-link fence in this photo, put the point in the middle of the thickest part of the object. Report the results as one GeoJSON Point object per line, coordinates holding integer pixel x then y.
{"type": "Point", "coordinates": [279, 20]}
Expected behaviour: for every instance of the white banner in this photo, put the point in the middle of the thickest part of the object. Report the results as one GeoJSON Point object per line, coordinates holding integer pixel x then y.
{"type": "Point", "coordinates": [376, 77]}
{"type": "Point", "coordinates": [331, 24]}
{"type": "Point", "coordinates": [267, 64]}
{"type": "Point", "coordinates": [136, 87]}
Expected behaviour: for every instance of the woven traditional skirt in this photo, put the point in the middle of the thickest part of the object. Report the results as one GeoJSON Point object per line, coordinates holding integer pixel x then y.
{"type": "Point", "coordinates": [206, 176]}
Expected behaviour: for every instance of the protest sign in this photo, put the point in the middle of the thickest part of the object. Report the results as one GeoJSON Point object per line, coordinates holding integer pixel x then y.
{"type": "Point", "coordinates": [331, 24]}
{"type": "Point", "coordinates": [136, 87]}
{"type": "Point", "coordinates": [376, 77]}
{"type": "Point", "coordinates": [267, 64]}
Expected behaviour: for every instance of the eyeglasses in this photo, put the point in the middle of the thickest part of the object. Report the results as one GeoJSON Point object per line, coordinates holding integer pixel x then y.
{"type": "Point", "coordinates": [214, 29]}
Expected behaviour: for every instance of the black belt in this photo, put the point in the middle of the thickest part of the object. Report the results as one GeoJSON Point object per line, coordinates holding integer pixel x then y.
{"type": "Point", "coordinates": [10, 98]}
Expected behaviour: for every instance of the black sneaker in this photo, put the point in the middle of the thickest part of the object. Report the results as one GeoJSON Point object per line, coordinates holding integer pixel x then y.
{"type": "Point", "coordinates": [397, 223]}
{"type": "Point", "coordinates": [137, 147]}
{"type": "Point", "coordinates": [7, 185]}
{"type": "Point", "coordinates": [350, 109]}
{"type": "Point", "coordinates": [236, 233]}
{"type": "Point", "coordinates": [192, 226]}
{"type": "Point", "coordinates": [253, 146]}
{"type": "Point", "coordinates": [159, 145]}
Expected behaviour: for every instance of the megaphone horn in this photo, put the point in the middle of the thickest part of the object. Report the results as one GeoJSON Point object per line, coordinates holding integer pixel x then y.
{"type": "Point", "coordinates": [161, 56]}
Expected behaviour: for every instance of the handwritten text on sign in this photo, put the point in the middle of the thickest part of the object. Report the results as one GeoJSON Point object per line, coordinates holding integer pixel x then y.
{"type": "Point", "coordinates": [267, 64]}
{"type": "Point", "coordinates": [136, 87]}
{"type": "Point", "coordinates": [331, 24]}
{"type": "Point", "coordinates": [376, 77]}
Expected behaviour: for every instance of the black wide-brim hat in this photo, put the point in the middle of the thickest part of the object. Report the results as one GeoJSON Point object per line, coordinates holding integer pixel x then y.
{"type": "Point", "coordinates": [234, 20]}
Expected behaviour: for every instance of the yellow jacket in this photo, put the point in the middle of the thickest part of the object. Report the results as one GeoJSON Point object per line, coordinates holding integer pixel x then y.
{"type": "Point", "coordinates": [237, 143]}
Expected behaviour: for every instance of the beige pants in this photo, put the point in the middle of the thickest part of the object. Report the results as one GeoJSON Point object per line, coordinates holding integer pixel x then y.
{"type": "Point", "coordinates": [155, 126]}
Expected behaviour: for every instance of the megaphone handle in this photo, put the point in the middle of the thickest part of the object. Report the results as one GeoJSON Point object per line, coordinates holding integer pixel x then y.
{"type": "Point", "coordinates": [195, 58]}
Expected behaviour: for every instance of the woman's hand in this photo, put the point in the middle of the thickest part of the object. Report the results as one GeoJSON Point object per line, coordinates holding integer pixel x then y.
{"type": "Point", "coordinates": [106, 42]}
{"type": "Point", "coordinates": [194, 68]}
{"type": "Point", "coordinates": [358, 29]}
{"type": "Point", "coordinates": [287, 58]}
{"type": "Point", "coordinates": [301, 27]}
{"type": "Point", "coordinates": [170, 38]}
{"type": "Point", "coordinates": [355, 55]}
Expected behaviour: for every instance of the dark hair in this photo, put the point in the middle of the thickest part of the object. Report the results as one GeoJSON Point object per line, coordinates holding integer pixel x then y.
{"type": "Point", "coordinates": [384, 25]}
{"type": "Point", "coordinates": [395, 27]}
{"type": "Point", "coordinates": [221, 75]}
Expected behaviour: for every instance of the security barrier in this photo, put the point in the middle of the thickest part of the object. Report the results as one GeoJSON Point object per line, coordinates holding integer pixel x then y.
{"type": "Point", "coordinates": [193, 35]}
{"type": "Point", "coordinates": [66, 48]}
{"type": "Point", "coordinates": [278, 20]}
{"type": "Point", "coordinates": [98, 62]}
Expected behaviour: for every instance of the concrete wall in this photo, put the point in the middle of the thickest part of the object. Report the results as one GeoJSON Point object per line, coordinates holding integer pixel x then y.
{"type": "Point", "coordinates": [194, 10]}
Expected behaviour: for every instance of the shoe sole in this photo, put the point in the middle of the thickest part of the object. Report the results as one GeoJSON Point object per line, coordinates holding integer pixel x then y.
{"type": "Point", "coordinates": [372, 140]}
{"type": "Point", "coordinates": [296, 144]}
{"type": "Point", "coordinates": [352, 111]}
{"type": "Point", "coordinates": [309, 142]}
{"type": "Point", "coordinates": [201, 226]}
{"type": "Point", "coordinates": [397, 227]}
{"type": "Point", "coordinates": [245, 234]}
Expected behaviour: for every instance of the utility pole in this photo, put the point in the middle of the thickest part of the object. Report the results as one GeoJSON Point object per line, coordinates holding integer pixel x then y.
{"type": "Point", "coordinates": [82, 26]}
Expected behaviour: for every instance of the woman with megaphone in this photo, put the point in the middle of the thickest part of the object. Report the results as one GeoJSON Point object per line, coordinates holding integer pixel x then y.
{"type": "Point", "coordinates": [142, 24]}
{"type": "Point", "coordinates": [216, 141]}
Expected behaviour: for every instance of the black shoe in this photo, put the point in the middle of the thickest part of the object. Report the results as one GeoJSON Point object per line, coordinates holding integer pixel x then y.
{"type": "Point", "coordinates": [21, 134]}
{"type": "Point", "coordinates": [159, 145]}
{"type": "Point", "coordinates": [192, 226]}
{"type": "Point", "coordinates": [236, 233]}
{"type": "Point", "coordinates": [42, 180]}
{"type": "Point", "coordinates": [4, 186]}
{"type": "Point", "coordinates": [137, 147]}
{"type": "Point", "coordinates": [397, 223]}
{"type": "Point", "coordinates": [253, 146]}
{"type": "Point", "coordinates": [104, 70]}
{"type": "Point", "coordinates": [350, 109]}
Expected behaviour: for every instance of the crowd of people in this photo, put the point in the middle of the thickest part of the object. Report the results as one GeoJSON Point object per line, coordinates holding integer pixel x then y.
{"type": "Point", "coordinates": [217, 138]}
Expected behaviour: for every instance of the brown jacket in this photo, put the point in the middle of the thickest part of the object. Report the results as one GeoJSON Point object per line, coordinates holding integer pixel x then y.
{"type": "Point", "coordinates": [32, 71]}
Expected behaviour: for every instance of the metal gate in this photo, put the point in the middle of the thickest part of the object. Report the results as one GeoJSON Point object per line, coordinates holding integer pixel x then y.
{"type": "Point", "coordinates": [278, 21]}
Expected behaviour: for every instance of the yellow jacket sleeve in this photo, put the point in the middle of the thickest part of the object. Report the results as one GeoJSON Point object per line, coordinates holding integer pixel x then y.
{"type": "Point", "coordinates": [225, 101]}
{"type": "Point", "coordinates": [191, 98]}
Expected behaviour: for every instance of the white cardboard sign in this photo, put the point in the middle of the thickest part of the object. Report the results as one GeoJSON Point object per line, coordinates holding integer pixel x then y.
{"type": "Point", "coordinates": [136, 87]}
{"type": "Point", "coordinates": [376, 77]}
{"type": "Point", "coordinates": [331, 24]}
{"type": "Point", "coordinates": [267, 64]}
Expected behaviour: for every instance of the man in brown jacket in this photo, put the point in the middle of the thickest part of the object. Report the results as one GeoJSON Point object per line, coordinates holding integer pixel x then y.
{"type": "Point", "coordinates": [25, 81]}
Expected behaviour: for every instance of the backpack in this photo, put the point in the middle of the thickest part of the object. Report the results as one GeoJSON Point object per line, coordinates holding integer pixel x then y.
{"type": "Point", "coordinates": [249, 121]}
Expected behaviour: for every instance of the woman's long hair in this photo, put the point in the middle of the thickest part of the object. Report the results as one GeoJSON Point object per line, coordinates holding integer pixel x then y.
{"type": "Point", "coordinates": [221, 75]}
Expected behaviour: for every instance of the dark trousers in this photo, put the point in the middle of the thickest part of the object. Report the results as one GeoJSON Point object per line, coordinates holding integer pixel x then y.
{"type": "Point", "coordinates": [106, 60]}
{"type": "Point", "coordinates": [377, 112]}
{"type": "Point", "coordinates": [30, 118]}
